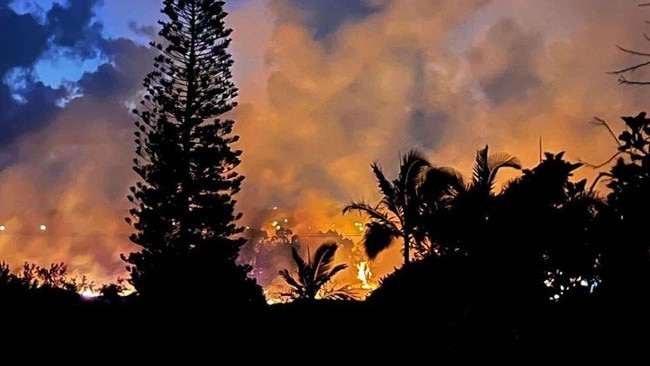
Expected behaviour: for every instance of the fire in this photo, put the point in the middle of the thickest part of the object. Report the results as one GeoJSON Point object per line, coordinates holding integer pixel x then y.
{"type": "Point", "coordinates": [364, 275]}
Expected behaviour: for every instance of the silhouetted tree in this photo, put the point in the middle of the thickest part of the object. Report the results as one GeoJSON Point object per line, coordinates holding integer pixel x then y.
{"type": "Point", "coordinates": [473, 203]}
{"type": "Point", "coordinates": [33, 285]}
{"type": "Point", "coordinates": [399, 214]}
{"type": "Point", "coordinates": [185, 219]}
{"type": "Point", "coordinates": [562, 214]}
{"type": "Point", "coordinates": [315, 274]}
{"type": "Point", "coordinates": [626, 258]}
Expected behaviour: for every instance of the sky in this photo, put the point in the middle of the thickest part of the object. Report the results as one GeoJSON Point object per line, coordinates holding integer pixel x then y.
{"type": "Point", "coordinates": [327, 87]}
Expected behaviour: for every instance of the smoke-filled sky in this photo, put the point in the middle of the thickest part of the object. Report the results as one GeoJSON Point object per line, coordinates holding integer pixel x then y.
{"type": "Point", "coordinates": [326, 88]}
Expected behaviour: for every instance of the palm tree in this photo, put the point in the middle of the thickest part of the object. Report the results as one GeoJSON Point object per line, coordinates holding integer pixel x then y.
{"type": "Point", "coordinates": [313, 274]}
{"type": "Point", "coordinates": [474, 202]}
{"type": "Point", "coordinates": [399, 213]}
{"type": "Point", "coordinates": [486, 168]}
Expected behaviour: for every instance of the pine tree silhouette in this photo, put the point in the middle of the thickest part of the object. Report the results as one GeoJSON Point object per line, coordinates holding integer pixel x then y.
{"type": "Point", "coordinates": [184, 216]}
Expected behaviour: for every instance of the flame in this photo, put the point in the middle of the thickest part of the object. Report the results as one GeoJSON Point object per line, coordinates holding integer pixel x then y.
{"type": "Point", "coordinates": [364, 275]}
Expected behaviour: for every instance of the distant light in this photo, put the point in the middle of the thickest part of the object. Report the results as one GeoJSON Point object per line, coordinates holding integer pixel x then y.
{"type": "Point", "coordinates": [275, 207]}
{"type": "Point", "coordinates": [42, 227]}
{"type": "Point", "coordinates": [3, 228]}
{"type": "Point", "coordinates": [584, 283]}
{"type": "Point", "coordinates": [556, 297]}
{"type": "Point", "coordinates": [286, 220]}
{"type": "Point", "coordinates": [89, 294]}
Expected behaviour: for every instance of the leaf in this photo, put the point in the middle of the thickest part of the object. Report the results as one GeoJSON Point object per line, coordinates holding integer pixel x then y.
{"type": "Point", "coordinates": [412, 165]}
{"type": "Point", "coordinates": [373, 212]}
{"type": "Point", "coordinates": [323, 259]}
{"type": "Point", "coordinates": [480, 170]}
{"type": "Point", "coordinates": [288, 278]}
{"type": "Point", "coordinates": [377, 238]}
{"type": "Point", "coordinates": [385, 187]}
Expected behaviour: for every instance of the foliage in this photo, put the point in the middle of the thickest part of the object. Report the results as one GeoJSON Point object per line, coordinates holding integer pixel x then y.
{"type": "Point", "coordinates": [32, 278]}
{"type": "Point", "coordinates": [626, 258]}
{"type": "Point", "coordinates": [184, 202]}
{"type": "Point", "coordinates": [313, 278]}
{"type": "Point", "coordinates": [419, 187]}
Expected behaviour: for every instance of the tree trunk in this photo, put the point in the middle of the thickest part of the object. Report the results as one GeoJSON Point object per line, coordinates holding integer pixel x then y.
{"type": "Point", "coordinates": [406, 248]}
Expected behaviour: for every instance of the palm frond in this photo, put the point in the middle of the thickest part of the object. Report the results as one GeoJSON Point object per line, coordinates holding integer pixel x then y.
{"type": "Point", "coordinates": [503, 160]}
{"type": "Point", "coordinates": [373, 212]}
{"type": "Point", "coordinates": [331, 292]}
{"type": "Point", "coordinates": [438, 182]}
{"type": "Point", "coordinates": [385, 186]}
{"type": "Point", "coordinates": [377, 238]}
{"type": "Point", "coordinates": [500, 160]}
{"type": "Point", "coordinates": [338, 268]}
{"type": "Point", "coordinates": [412, 165]}
{"type": "Point", "coordinates": [298, 259]}
{"type": "Point", "coordinates": [389, 191]}
{"type": "Point", "coordinates": [304, 269]}
{"type": "Point", "coordinates": [288, 278]}
{"type": "Point", "coordinates": [481, 170]}
{"type": "Point", "coordinates": [341, 294]}
{"type": "Point", "coordinates": [458, 182]}
{"type": "Point", "coordinates": [323, 259]}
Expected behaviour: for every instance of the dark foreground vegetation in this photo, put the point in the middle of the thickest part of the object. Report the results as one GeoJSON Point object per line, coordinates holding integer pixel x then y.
{"type": "Point", "coordinates": [545, 267]}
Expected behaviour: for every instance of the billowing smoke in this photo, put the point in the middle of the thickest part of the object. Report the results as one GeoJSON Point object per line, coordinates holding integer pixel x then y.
{"type": "Point", "coordinates": [445, 77]}
{"type": "Point", "coordinates": [326, 88]}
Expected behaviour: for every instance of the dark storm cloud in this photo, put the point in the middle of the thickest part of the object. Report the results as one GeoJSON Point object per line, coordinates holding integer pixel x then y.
{"type": "Point", "coordinates": [17, 118]}
{"type": "Point", "coordinates": [426, 128]}
{"type": "Point", "coordinates": [23, 39]}
{"type": "Point", "coordinates": [425, 125]}
{"type": "Point", "coordinates": [514, 82]}
{"type": "Point", "coordinates": [326, 16]}
{"type": "Point", "coordinates": [512, 50]}
{"type": "Point", "coordinates": [27, 103]}
{"type": "Point", "coordinates": [71, 26]}
{"type": "Point", "coordinates": [122, 77]}
{"type": "Point", "coordinates": [149, 31]}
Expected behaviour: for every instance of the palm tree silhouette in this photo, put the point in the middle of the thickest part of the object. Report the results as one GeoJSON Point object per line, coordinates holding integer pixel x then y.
{"type": "Point", "coordinates": [486, 167]}
{"type": "Point", "coordinates": [399, 213]}
{"type": "Point", "coordinates": [474, 202]}
{"type": "Point", "coordinates": [312, 275]}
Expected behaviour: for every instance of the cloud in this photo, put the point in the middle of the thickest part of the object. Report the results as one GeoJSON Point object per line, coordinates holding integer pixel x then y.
{"type": "Point", "coordinates": [24, 50]}
{"type": "Point", "coordinates": [504, 62]}
{"type": "Point", "coordinates": [65, 32]}
{"type": "Point", "coordinates": [324, 18]}
{"type": "Point", "coordinates": [68, 165]}
{"type": "Point", "coordinates": [70, 26]}
{"type": "Point", "coordinates": [121, 78]}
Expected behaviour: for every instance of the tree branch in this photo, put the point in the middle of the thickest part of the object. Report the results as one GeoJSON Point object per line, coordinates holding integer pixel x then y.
{"type": "Point", "coordinates": [631, 68]}
{"type": "Point", "coordinates": [632, 52]}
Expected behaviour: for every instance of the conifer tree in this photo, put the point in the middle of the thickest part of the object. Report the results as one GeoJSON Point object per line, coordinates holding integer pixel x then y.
{"type": "Point", "coordinates": [184, 216]}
